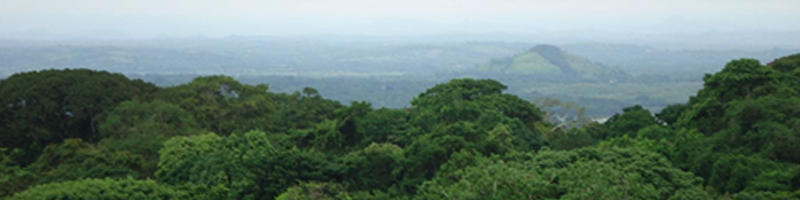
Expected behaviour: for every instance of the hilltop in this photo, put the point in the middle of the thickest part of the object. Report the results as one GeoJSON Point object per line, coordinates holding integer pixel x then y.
{"type": "Point", "coordinates": [547, 61]}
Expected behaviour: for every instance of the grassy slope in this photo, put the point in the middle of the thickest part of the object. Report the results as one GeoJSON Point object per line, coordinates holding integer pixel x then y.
{"type": "Point", "coordinates": [534, 62]}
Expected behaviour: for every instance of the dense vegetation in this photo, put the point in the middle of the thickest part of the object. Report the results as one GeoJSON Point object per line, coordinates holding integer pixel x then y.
{"type": "Point", "coordinates": [82, 134]}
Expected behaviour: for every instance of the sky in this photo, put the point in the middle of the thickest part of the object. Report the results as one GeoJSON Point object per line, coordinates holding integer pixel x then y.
{"type": "Point", "coordinates": [43, 19]}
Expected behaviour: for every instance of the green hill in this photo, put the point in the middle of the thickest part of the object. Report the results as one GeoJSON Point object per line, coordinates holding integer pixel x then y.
{"type": "Point", "coordinates": [550, 61]}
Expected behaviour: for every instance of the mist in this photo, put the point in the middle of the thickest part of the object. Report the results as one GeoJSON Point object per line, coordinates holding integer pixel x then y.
{"type": "Point", "coordinates": [352, 49]}
{"type": "Point", "coordinates": [760, 23]}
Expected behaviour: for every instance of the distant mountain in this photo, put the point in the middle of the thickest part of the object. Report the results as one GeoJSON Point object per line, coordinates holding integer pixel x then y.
{"type": "Point", "coordinates": [552, 62]}
{"type": "Point", "coordinates": [684, 64]}
{"type": "Point", "coordinates": [244, 56]}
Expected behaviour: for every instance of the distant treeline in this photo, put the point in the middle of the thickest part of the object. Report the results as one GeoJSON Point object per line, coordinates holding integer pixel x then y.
{"type": "Point", "coordinates": [600, 98]}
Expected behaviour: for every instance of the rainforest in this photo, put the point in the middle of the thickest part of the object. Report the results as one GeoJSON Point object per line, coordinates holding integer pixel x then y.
{"type": "Point", "coordinates": [88, 134]}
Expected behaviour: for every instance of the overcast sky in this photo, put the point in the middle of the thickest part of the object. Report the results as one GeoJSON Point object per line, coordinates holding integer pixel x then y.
{"type": "Point", "coordinates": [151, 18]}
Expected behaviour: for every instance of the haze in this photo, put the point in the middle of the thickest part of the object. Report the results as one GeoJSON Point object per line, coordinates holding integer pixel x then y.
{"type": "Point", "coordinates": [616, 20]}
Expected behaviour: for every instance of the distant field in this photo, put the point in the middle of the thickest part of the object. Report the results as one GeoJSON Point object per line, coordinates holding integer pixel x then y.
{"type": "Point", "coordinates": [600, 98]}
{"type": "Point", "coordinates": [668, 92]}
{"type": "Point", "coordinates": [603, 99]}
{"type": "Point", "coordinates": [602, 77]}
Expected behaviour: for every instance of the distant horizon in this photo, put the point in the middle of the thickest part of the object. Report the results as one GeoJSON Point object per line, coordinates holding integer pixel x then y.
{"type": "Point", "coordinates": [710, 40]}
{"type": "Point", "coordinates": [677, 22]}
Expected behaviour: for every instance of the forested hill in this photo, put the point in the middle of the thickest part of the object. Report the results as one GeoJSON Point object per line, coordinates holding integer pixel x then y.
{"type": "Point", "coordinates": [82, 134]}
{"type": "Point", "coordinates": [547, 61]}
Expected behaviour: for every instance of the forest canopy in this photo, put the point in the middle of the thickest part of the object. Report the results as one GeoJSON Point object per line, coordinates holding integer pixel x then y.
{"type": "Point", "coordinates": [84, 134]}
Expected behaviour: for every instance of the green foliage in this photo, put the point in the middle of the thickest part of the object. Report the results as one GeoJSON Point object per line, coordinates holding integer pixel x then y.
{"type": "Point", "coordinates": [315, 191]}
{"type": "Point", "coordinates": [732, 173]}
{"type": "Point", "coordinates": [629, 122]}
{"type": "Point", "coordinates": [429, 151]}
{"type": "Point", "coordinates": [452, 100]}
{"type": "Point", "coordinates": [180, 153]}
{"type": "Point", "coordinates": [480, 102]}
{"type": "Point", "coordinates": [377, 167]}
{"type": "Point", "coordinates": [384, 125]}
{"type": "Point", "coordinates": [588, 173]}
{"type": "Point", "coordinates": [70, 160]}
{"type": "Point", "coordinates": [328, 136]}
{"type": "Point", "coordinates": [788, 64]}
{"type": "Point", "coordinates": [44, 107]}
{"type": "Point", "coordinates": [464, 139]}
{"type": "Point", "coordinates": [766, 125]}
{"type": "Point", "coordinates": [342, 133]}
{"type": "Point", "coordinates": [425, 155]}
{"type": "Point", "coordinates": [740, 80]}
{"type": "Point", "coordinates": [455, 101]}
{"type": "Point", "coordinates": [303, 110]}
{"type": "Point", "coordinates": [670, 114]}
{"type": "Point", "coordinates": [223, 105]}
{"type": "Point", "coordinates": [748, 113]}
{"type": "Point", "coordinates": [101, 189]}
{"type": "Point", "coordinates": [766, 195]}
{"type": "Point", "coordinates": [782, 179]}
{"type": "Point", "coordinates": [14, 178]}
{"type": "Point", "coordinates": [489, 180]}
{"type": "Point", "coordinates": [142, 127]}
{"type": "Point", "coordinates": [252, 165]}
{"type": "Point", "coordinates": [155, 118]}
{"type": "Point", "coordinates": [573, 138]}
{"type": "Point", "coordinates": [337, 135]}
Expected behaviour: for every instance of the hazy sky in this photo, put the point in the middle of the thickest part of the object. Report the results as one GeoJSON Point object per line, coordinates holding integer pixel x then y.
{"type": "Point", "coordinates": [150, 18]}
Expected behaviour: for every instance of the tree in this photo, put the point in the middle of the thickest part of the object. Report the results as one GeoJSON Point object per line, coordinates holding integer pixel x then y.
{"type": "Point", "coordinates": [732, 173]}
{"type": "Point", "coordinates": [670, 114]}
{"type": "Point", "coordinates": [479, 102]}
{"type": "Point", "coordinates": [384, 125]}
{"type": "Point", "coordinates": [376, 167]}
{"type": "Point", "coordinates": [101, 189]}
{"type": "Point", "coordinates": [630, 121]}
{"type": "Point", "coordinates": [788, 64]}
{"type": "Point", "coordinates": [45, 107]}
{"type": "Point", "coordinates": [250, 165]}
{"type": "Point", "coordinates": [71, 160]}
{"type": "Point", "coordinates": [587, 173]}
{"type": "Point", "coordinates": [223, 105]}
{"type": "Point", "coordinates": [14, 178]}
{"type": "Point", "coordinates": [740, 79]}
{"type": "Point", "coordinates": [315, 191]}
{"type": "Point", "coordinates": [469, 99]}
{"type": "Point", "coordinates": [75, 159]}
{"type": "Point", "coordinates": [142, 127]}
{"type": "Point", "coordinates": [303, 110]}
{"type": "Point", "coordinates": [747, 113]}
